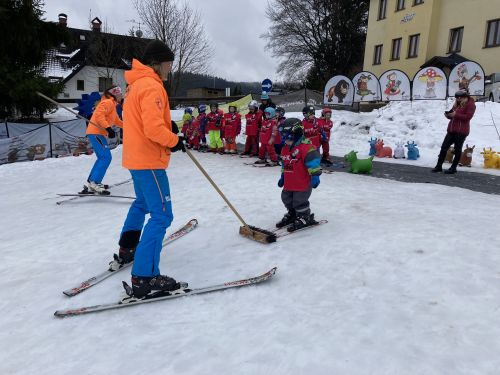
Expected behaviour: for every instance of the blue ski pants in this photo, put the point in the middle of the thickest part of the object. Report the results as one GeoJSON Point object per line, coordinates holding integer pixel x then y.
{"type": "Point", "coordinates": [101, 149]}
{"type": "Point", "coordinates": [152, 193]}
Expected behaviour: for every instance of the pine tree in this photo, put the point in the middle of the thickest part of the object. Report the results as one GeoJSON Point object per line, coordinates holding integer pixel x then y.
{"type": "Point", "coordinates": [26, 38]}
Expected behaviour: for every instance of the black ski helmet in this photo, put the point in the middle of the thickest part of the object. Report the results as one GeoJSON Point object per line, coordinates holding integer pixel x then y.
{"type": "Point", "coordinates": [292, 129]}
{"type": "Point", "coordinates": [280, 111]}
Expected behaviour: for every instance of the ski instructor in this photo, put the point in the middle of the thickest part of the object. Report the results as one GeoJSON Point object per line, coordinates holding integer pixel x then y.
{"type": "Point", "coordinates": [149, 139]}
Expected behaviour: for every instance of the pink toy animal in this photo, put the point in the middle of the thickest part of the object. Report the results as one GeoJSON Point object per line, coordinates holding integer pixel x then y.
{"type": "Point", "coordinates": [382, 152]}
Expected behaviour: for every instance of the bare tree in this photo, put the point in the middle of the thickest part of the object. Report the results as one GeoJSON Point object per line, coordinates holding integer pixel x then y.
{"type": "Point", "coordinates": [320, 37]}
{"type": "Point", "coordinates": [180, 27]}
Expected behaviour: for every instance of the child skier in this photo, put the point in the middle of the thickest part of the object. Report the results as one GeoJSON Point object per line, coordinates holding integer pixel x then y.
{"type": "Point", "coordinates": [187, 111]}
{"type": "Point", "coordinates": [299, 175]}
{"type": "Point", "coordinates": [105, 116]}
{"type": "Point", "coordinates": [193, 135]}
{"type": "Point", "coordinates": [232, 128]}
{"type": "Point", "coordinates": [325, 126]}
{"type": "Point", "coordinates": [202, 119]}
{"type": "Point", "coordinates": [253, 124]}
{"type": "Point", "coordinates": [215, 121]}
{"type": "Point", "coordinates": [268, 133]}
{"type": "Point", "coordinates": [311, 126]}
{"type": "Point", "coordinates": [279, 142]}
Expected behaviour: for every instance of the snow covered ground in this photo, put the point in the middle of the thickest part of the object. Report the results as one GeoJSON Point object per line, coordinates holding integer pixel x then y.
{"type": "Point", "coordinates": [404, 279]}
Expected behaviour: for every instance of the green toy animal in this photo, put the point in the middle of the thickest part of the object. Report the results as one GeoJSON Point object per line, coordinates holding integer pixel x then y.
{"type": "Point", "coordinates": [359, 165]}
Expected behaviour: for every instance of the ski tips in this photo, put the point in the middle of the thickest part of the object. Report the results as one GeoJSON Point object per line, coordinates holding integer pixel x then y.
{"type": "Point", "coordinates": [258, 234]}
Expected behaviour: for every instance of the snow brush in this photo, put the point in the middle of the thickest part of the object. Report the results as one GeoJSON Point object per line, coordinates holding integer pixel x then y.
{"type": "Point", "coordinates": [254, 233]}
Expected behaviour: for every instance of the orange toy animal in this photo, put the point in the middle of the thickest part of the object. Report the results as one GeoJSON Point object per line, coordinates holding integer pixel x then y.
{"type": "Point", "coordinates": [466, 158]}
{"type": "Point", "coordinates": [382, 152]}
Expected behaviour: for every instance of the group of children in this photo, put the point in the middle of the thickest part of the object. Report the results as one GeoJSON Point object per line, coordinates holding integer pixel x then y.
{"type": "Point", "coordinates": [264, 131]}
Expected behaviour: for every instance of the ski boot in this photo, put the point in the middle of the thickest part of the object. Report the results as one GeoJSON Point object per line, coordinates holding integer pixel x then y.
{"type": "Point", "coordinates": [97, 189]}
{"type": "Point", "coordinates": [143, 287]}
{"type": "Point", "coordinates": [128, 243]}
{"type": "Point", "coordinates": [273, 163]}
{"type": "Point", "coordinates": [288, 219]}
{"type": "Point", "coordinates": [261, 161]}
{"type": "Point", "coordinates": [302, 221]}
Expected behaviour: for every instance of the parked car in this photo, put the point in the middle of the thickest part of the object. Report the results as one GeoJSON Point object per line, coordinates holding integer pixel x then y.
{"type": "Point", "coordinates": [492, 87]}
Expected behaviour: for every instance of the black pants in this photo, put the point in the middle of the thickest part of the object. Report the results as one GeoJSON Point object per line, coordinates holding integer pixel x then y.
{"type": "Point", "coordinates": [297, 200]}
{"type": "Point", "coordinates": [451, 139]}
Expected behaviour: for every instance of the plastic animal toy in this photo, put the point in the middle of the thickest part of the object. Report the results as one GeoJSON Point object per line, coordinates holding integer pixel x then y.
{"type": "Point", "coordinates": [491, 159]}
{"type": "Point", "coordinates": [372, 142]}
{"type": "Point", "coordinates": [466, 158]}
{"type": "Point", "coordinates": [413, 151]}
{"type": "Point", "coordinates": [449, 155]}
{"type": "Point", "coordinates": [359, 165]}
{"type": "Point", "coordinates": [382, 152]}
{"type": "Point", "coordinates": [399, 151]}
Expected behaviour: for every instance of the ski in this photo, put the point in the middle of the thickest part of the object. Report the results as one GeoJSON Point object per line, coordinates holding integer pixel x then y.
{"type": "Point", "coordinates": [282, 232]}
{"type": "Point", "coordinates": [96, 195]}
{"type": "Point", "coordinates": [114, 266]}
{"type": "Point", "coordinates": [262, 165]}
{"type": "Point", "coordinates": [160, 296]}
{"type": "Point", "coordinates": [110, 186]}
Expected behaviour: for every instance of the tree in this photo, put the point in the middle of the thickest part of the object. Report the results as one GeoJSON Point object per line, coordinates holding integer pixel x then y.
{"type": "Point", "coordinates": [181, 28]}
{"type": "Point", "coordinates": [316, 39]}
{"type": "Point", "coordinates": [21, 55]}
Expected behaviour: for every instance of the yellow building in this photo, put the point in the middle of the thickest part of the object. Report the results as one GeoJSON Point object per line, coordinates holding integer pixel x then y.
{"type": "Point", "coordinates": [406, 34]}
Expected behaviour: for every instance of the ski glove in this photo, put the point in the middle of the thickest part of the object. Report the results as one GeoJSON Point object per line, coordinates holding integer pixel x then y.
{"type": "Point", "coordinates": [175, 128]}
{"type": "Point", "coordinates": [314, 182]}
{"type": "Point", "coordinates": [179, 146]}
{"type": "Point", "coordinates": [111, 132]}
{"type": "Point", "coordinates": [281, 182]}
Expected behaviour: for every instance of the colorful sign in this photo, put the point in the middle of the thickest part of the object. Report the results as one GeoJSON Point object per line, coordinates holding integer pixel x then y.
{"type": "Point", "coordinates": [395, 85]}
{"type": "Point", "coordinates": [366, 87]}
{"type": "Point", "coordinates": [467, 75]}
{"type": "Point", "coordinates": [429, 84]}
{"type": "Point", "coordinates": [339, 90]}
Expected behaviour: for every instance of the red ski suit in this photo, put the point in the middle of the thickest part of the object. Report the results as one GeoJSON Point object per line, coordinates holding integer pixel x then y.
{"type": "Point", "coordinates": [194, 134]}
{"type": "Point", "coordinates": [215, 120]}
{"type": "Point", "coordinates": [232, 128]}
{"type": "Point", "coordinates": [268, 134]}
{"type": "Point", "coordinates": [312, 131]}
{"type": "Point", "coordinates": [254, 122]}
{"type": "Point", "coordinates": [326, 128]}
{"type": "Point", "coordinates": [296, 174]}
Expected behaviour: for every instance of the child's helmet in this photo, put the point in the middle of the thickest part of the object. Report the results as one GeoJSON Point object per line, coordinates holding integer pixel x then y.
{"type": "Point", "coordinates": [202, 108]}
{"type": "Point", "coordinates": [253, 104]}
{"type": "Point", "coordinates": [326, 110]}
{"type": "Point", "coordinates": [292, 129]}
{"type": "Point", "coordinates": [270, 112]}
{"type": "Point", "coordinates": [310, 110]}
{"type": "Point", "coordinates": [280, 111]}
{"type": "Point", "coordinates": [187, 117]}
{"type": "Point", "coordinates": [188, 110]}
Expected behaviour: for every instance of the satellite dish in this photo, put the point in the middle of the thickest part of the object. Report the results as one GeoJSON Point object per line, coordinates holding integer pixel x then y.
{"type": "Point", "coordinates": [138, 33]}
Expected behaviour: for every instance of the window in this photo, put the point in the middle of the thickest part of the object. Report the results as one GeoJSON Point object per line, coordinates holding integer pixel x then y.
{"type": "Point", "coordinates": [400, 5]}
{"type": "Point", "coordinates": [413, 46]}
{"type": "Point", "coordinates": [418, 2]}
{"type": "Point", "coordinates": [377, 56]}
{"type": "Point", "coordinates": [82, 37]}
{"type": "Point", "coordinates": [104, 83]}
{"type": "Point", "coordinates": [493, 34]}
{"type": "Point", "coordinates": [456, 36]}
{"type": "Point", "coordinates": [80, 85]}
{"type": "Point", "coordinates": [396, 49]}
{"type": "Point", "coordinates": [382, 9]}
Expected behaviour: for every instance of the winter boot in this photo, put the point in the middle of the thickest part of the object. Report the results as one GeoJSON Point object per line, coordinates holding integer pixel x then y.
{"type": "Point", "coordinates": [98, 189]}
{"type": "Point", "coordinates": [302, 221]}
{"type": "Point", "coordinates": [220, 150]}
{"type": "Point", "coordinates": [261, 161]}
{"type": "Point", "coordinates": [437, 169]}
{"type": "Point", "coordinates": [326, 162]}
{"type": "Point", "coordinates": [142, 286]}
{"type": "Point", "coordinates": [451, 171]}
{"type": "Point", "coordinates": [288, 219]}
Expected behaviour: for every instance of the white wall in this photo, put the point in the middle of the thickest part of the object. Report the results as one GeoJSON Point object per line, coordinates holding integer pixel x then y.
{"type": "Point", "coordinates": [90, 75]}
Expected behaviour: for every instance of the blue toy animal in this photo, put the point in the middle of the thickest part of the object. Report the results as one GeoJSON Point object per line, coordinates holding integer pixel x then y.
{"type": "Point", "coordinates": [413, 152]}
{"type": "Point", "coordinates": [372, 142]}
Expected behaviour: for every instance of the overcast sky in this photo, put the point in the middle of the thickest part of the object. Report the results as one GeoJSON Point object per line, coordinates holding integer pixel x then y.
{"type": "Point", "coordinates": [233, 26]}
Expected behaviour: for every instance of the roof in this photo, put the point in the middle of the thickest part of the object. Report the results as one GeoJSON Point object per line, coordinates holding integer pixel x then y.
{"type": "Point", "coordinates": [445, 61]}
{"type": "Point", "coordinates": [206, 88]}
{"type": "Point", "coordinates": [94, 48]}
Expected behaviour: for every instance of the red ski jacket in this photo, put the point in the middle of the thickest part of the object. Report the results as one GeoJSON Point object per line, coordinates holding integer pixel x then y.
{"type": "Point", "coordinates": [268, 131]}
{"type": "Point", "coordinates": [325, 126]}
{"type": "Point", "coordinates": [232, 125]}
{"type": "Point", "coordinates": [312, 131]}
{"type": "Point", "coordinates": [254, 122]}
{"type": "Point", "coordinates": [300, 162]}
{"type": "Point", "coordinates": [215, 120]}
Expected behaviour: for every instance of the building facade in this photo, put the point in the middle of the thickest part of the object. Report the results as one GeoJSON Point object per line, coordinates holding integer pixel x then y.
{"type": "Point", "coordinates": [405, 34]}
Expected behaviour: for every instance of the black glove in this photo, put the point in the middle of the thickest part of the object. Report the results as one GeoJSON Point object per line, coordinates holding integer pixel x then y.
{"type": "Point", "coordinates": [111, 132]}
{"type": "Point", "coordinates": [218, 122]}
{"type": "Point", "coordinates": [179, 145]}
{"type": "Point", "coordinates": [175, 128]}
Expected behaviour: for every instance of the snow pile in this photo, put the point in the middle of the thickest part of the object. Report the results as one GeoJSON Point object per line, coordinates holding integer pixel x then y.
{"type": "Point", "coordinates": [388, 286]}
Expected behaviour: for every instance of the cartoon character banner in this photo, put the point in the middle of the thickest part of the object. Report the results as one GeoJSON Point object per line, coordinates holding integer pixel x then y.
{"type": "Point", "coordinates": [367, 87]}
{"type": "Point", "coordinates": [468, 75]}
{"type": "Point", "coordinates": [395, 85]}
{"type": "Point", "coordinates": [429, 84]}
{"type": "Point", "coordinates": [339, 90]}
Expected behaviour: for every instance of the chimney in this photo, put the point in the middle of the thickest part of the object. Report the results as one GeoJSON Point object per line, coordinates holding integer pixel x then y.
{"type": "Point", "coordinates": [63, 19]}
{"type": "Point", "coordinates": [96, 24]}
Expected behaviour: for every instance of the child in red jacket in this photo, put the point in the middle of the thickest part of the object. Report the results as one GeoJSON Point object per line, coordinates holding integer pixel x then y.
{"type": "Point", "coordinates": [311, 126]}
{"type": "Point", "coordinates": [215, 122]}
{"type": "Point", "coordinates": [325, 126]}
{"type": "Point", "coordinates": [253, 124]}
{"type": "Point", "coordinates": [299, 175]}
{"type": "Point", "coordinates": [194, 134]}
{"type": "Point", "coordinates": [232, 128]}
{"type": "Point", "coordinates": [268, 133]}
